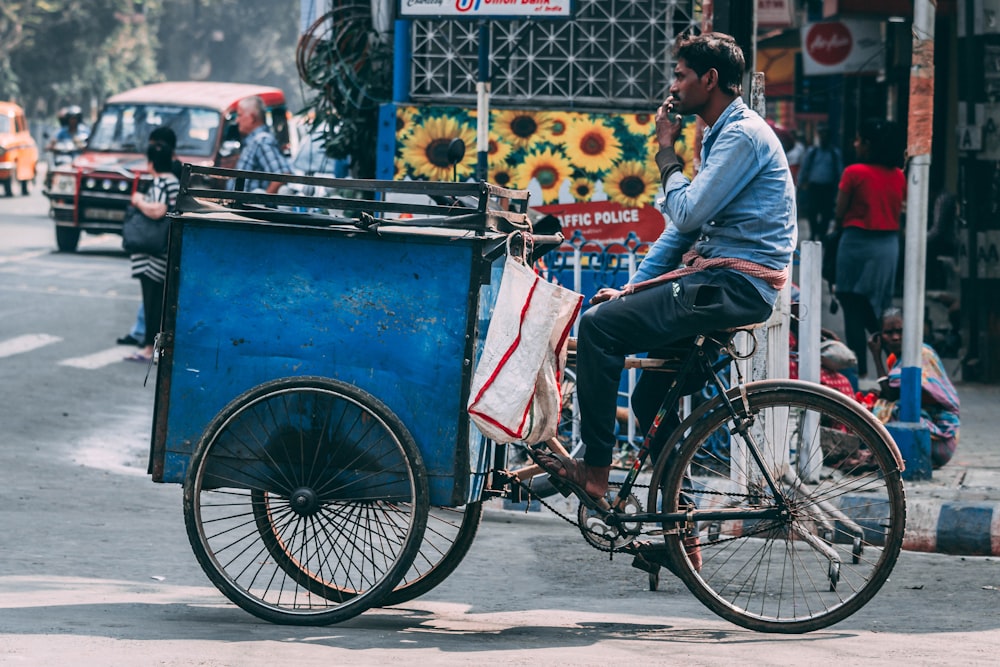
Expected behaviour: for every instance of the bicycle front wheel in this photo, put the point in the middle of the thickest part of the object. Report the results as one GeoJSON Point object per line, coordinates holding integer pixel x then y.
{"type": "Point", "coordinates": [838, 479]}
{"type": "Point", "coordinates": [306, 501]}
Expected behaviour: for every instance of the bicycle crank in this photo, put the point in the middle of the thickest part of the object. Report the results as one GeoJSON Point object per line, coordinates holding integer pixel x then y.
{"type": "Point", "coordinates": [609, 538]}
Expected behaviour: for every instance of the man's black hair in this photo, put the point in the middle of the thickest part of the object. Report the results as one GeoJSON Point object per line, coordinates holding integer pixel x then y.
{"type": "Point", "coordinates": [713, 50]}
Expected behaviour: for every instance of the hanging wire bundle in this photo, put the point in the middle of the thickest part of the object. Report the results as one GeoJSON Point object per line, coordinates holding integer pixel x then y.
{"type": "Point", "coordinates": [349, 66]}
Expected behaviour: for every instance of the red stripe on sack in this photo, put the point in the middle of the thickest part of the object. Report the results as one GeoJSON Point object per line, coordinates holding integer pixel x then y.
{"type": "Point", "coordinates": [513, 346]}
{"type": "Point", "coordinates": [562, 341]}
{"type": "Point", "coordinates": [507, 355]}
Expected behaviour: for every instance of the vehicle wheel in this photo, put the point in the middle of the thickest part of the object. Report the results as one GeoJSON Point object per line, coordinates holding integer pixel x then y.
{"type": "Point", "coordinates": [774, 575]}
{"type": "Point", "coordinates": [449, 534]}
{"type": "Point", "coordinates": [306, 501]}
{"type": "Point", "coordinates": [8, 187]}
{"type": "Point", "coordinates": [67, 238]}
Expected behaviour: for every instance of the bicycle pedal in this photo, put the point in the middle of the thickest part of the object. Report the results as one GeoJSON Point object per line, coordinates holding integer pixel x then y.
{"type": "Point", "coordinates": [641, 563]}
{"type": "Point", "coordinates": [560, 486]}
{"type": "Point", "coordinates": [654, 554]}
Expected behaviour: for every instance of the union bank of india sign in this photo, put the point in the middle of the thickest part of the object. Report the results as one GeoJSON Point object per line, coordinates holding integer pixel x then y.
{"type": "Point", "coordinates": [476, 9]}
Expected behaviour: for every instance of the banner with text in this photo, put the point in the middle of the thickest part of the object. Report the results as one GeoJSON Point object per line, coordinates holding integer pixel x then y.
{"type": "Point", "coordinates": [480, 9]}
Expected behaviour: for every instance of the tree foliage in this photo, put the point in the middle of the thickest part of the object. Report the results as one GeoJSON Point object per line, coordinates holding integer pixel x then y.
{"type": "Point", "coordinates": [58, 52]}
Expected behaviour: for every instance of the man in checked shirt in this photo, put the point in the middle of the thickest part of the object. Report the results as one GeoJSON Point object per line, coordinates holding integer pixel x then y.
{"type": "Point", "coordinates": [260, 149]}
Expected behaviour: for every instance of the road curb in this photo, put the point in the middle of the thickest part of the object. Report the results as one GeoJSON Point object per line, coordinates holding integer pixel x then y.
{"type": "Point", "coordinates": [958, 528]}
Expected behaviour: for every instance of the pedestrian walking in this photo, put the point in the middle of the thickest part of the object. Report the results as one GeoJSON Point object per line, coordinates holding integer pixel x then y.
{"type": "Point", "coordinates": [869, 206]}
{"type": "Point", "coordinates": [818, 178]}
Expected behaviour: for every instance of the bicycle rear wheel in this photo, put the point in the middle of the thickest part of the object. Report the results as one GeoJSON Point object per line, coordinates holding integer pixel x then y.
{"type": "Point", "coordinates": [306, 501]}
{"type": "Point", "coordinates": [839, 540]}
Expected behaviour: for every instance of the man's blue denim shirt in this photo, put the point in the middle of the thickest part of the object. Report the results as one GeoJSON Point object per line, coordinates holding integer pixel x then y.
{"type": "Point", "coordinates": [741, 204]}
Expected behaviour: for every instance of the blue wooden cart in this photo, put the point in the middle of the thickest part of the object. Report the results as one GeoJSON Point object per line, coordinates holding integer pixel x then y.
{"type": "Point", "coordinates": [314, 367]}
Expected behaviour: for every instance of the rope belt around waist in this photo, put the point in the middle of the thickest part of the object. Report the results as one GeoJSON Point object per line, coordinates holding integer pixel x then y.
{"type": "Point", "coordinates": [694, 262]}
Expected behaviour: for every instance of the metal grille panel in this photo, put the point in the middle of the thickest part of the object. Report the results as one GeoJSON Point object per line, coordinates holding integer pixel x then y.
{"type": "Point", "coordinates": [614, 53]}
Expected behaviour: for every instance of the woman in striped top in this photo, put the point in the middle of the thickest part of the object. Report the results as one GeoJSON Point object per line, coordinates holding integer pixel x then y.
{"type": "Point", "coordinates": [151, 270]}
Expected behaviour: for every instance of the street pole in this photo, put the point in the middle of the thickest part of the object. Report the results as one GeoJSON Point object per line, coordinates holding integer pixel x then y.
{"type": "Point", "coordinates": [483, 103]}
{"type": "Point", "coordinates": [914, 441]}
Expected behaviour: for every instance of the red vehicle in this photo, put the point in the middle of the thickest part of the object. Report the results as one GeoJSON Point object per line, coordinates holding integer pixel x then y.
{"type": "Point", "coordinates": [92, 193]}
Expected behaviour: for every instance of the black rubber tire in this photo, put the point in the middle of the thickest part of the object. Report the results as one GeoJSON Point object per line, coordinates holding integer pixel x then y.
{"type": "Point", "coordinates": [754, 575]}
{"type": "Point", "coordinates": [449, 534]}
{"type": "Point", "coordinates": [67, 238]}
{"type": "Point", "coordinates": [8, 187]}
{"type": "Point", "coordinates": [306, 501]}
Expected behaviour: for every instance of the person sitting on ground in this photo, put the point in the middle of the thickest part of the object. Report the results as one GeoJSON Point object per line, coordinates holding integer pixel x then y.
{"type": "Point", "coordinates": [733, 226]}
{"type": "Point", "coordinates": [939, 401]}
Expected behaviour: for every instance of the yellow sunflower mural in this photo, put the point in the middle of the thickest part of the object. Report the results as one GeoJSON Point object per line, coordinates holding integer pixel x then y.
{"type": "Point", "coordinates": [582, 189]}
{"type": "Point", "coordinates": [425, 150]}
{"type": "Point", "coordinates": [522, 129]}
{"type": "Point", "coordinates": [547, 167]}
{"type": "Point", "coordinates": [592, 146]}
{"type": "Point", "coordinates": [502, 175]}
{"type": "Point", "coordinates": [498, 150]}
{"type": "Point", "coordinates": [560, 122]}
{"type": "Point", "coordinates": [640, 123]}
{"type": "Point", "coordinates": [405, 117]}
{"type": "Point", "coordinates": [632, 183]}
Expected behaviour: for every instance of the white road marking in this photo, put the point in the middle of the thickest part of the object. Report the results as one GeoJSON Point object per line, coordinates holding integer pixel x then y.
{"type": "Point", "coordinates": [112, 355]}
{"type": "Point", "coordinates": [26, 343]}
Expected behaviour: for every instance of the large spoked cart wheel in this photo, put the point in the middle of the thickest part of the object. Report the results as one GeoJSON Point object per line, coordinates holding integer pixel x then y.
{"type": "Point", "coordinates": [306, 501]}
{"type": "Point", "coordinates": [449, 534]}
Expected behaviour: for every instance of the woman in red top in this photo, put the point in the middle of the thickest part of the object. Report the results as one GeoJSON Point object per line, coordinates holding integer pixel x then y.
{"type": "Point", "coordinates": [869, 204]}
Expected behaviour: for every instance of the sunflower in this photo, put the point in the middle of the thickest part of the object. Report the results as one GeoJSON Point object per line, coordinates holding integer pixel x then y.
{"type": "Point", "coordinates": [523, 129]}
{"type": "Point", "coordinates": [498, 150]}
{"type": "Point", "coordinates": [549, 169]}
{"type": "Point", "coordinates": [559, 123]}
{"type": "Point", "coordinates": [642, 124]}
{"type": "Point", "coordinates": [582, 189]}
{"type": "Point", "coordinates": [632, 183]}
{"type": "Point", "coordinates": [425, 150]}
{"type": "Point", "coordinates": [406, 119]}
{"type": "Point", "coordinates": [592, 145]}
{"type": "Point", "coordinates": [503, 175]}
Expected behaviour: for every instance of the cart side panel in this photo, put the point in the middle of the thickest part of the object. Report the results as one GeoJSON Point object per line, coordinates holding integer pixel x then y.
{"type": "Point", "coordinates": [389, 314]}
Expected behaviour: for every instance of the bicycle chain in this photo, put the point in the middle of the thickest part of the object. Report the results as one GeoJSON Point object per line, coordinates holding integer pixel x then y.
{"type": "Point", "coordinates": [527, 489]}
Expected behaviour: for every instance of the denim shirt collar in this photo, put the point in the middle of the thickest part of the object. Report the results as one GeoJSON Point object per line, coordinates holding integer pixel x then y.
{"type": "Point", "coordinates": [710, 134]}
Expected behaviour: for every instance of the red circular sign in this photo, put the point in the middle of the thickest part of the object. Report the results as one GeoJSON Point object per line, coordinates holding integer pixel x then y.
{"type": "Point", "coordinates": [829, 43]}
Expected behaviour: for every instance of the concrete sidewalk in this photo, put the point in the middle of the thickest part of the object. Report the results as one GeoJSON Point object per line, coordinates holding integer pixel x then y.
{"type": "Point", "coordinates": [957, 511]}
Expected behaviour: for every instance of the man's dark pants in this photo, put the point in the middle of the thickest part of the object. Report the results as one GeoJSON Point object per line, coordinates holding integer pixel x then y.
{"type": "Point", "coordinates": [644, 322]}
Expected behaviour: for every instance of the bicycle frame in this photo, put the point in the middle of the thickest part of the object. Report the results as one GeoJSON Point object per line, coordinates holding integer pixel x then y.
{"type": "Point", "coordinates": [695, 358]}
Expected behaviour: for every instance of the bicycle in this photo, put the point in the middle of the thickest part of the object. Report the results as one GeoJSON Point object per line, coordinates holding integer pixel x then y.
{"type": "Point", "coordinates": [755, 535]}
